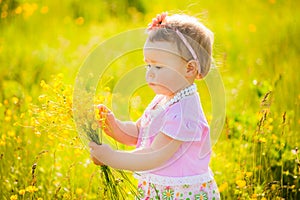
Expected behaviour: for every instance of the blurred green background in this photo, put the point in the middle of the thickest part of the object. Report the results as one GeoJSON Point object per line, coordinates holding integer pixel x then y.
{"type": "Point", "coordinates": [256, 51]}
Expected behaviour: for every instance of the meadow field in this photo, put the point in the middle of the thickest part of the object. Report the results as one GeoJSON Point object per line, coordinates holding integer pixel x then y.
{"type": "Point", "coordinates": [44, 43]}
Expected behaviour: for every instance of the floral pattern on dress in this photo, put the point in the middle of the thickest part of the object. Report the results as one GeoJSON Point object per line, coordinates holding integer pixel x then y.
{"type": "Point", "coordinates": [140, 192]}
{"type": "Point", "coordinates": [201, 196]}
{"type": "Point", "coordinates": [202, 191]}
{"type": "Point", "coordinates": [168, 194]}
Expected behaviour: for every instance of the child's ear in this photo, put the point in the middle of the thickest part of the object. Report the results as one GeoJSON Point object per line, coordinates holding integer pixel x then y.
{"type": "Point", "coordinates": [191, 68]}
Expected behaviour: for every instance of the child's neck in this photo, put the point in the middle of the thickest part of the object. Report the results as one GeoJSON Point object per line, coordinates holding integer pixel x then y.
{"type": "Point", "coordinates": [168, 100]}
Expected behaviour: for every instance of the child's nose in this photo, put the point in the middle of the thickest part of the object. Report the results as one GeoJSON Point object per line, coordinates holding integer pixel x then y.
{"type": "Point", "coordinates": [150, 74]}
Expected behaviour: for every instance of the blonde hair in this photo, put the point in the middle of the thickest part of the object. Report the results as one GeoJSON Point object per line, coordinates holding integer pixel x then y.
{"type": "Point", "coordinates": [199, 37]}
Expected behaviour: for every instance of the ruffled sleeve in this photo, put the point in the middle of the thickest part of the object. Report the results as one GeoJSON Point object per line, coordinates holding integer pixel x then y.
{"type": "Point", "coordinates": [184, 123]}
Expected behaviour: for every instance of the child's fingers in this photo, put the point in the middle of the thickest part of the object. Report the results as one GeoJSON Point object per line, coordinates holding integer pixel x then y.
{"type": "Point", "coordinates": [103, 119]}
{"type": "Point", "coordinates": [103, 108]}
{"type": "Point", "coordinates": [92, 145]}
{"type": "Point", "coordinates": [110, 116]}
{"type": "Point", "coordinates": [95, 161]}
{"type": "Point", "coordinates": [106, 118]}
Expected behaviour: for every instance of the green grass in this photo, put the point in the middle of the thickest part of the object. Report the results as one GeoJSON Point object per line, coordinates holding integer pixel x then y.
{"type": "Point", "coordinates": [257, 53]}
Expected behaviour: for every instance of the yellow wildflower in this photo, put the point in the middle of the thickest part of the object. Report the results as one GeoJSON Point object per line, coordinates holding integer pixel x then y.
{"type": "Point", "coordinates": [79, 191]}
{"type": "Point", "coordinates": [5, 102]}
{"type": "Point", "coordinates": [18, 10]}
{"type": "Point", "coordinates": [2, 143]}
{"type": "Point", "coordinates": [44, 85]}
{"type": "Point", "coordinates": [51, 137]}
{"type": "Point", "coordinates": [14, 197]}
{"type": "Point", "coordinates": [107, 89]}
{"type": "Point", "coordinates": [37, 133]}
{"type": "Point", "coordinates": [223, 186]}
{"type": "Point", "coordinates": [8, 112]}
{"type": "Point", "coordinates": [31, 189]}
{"type": "Point", "coordinates": [254, 196]}
{"type": "Point", "coordinates": [262, 140]}
{"type": "Point", "coordinates": [15, 100]}
{"type": "Point", "coordinates": [60, 147]}
{"type": "Point", "coordinates": [270, 127]}
{"type": "Point", "coordinates": [7, 118]}
{"type": "Point", "coordinates": [78, 151]}
{"type": "Point", "coordinates": [293, 186]}
{"type": "Point", "coordinates": [60, 76]}
{"type": "Point", "coordinates": [66, 196]}
{"type": "Point", "coordinates": [11, 133]}
{"type": "Point", "coordinates": [22, 192]}
{"type": "Point", "coordinates": [44, 9]}
{"type": "Point", "coordinates": [79, 21]}
{"type": "Point", "coordinates": [272, 2]}
{"type": "Point", "coordinates": [286, 172]}
{"type": "Point", "coordinates": [4, 14]}
{"type": "Point", "coordinates": [18, 139]}
{"type": "Point", "coordinates": [249, 174]}
{"type": "Point", "coordinates": [241, 183]}
{"type": "Point", "coordinates": [29, 9]}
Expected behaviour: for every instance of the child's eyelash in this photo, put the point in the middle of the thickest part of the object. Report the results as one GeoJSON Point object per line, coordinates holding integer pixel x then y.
{"type": "Point", "coordinates": [149, 66]}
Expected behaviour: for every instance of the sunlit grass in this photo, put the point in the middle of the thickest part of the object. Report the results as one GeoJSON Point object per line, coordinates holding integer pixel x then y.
{"type": "Point", "coordinates": [256, 51]}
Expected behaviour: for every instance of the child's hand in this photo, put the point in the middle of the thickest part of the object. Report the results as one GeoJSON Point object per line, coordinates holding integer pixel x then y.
{"type": "Point", "coordinates": [100, 154]}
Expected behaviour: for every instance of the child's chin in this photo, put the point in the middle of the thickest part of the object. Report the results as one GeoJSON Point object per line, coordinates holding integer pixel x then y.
{"type": "Point", "coordinates": [158, 89]}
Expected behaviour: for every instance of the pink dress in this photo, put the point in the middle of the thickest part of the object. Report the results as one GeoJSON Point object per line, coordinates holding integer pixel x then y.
{"type": "Point", "coordinates": [186, 175]}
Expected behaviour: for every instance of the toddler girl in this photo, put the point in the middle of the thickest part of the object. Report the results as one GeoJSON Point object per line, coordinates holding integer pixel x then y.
{"type": "Point", "coordinates": [171, 159]}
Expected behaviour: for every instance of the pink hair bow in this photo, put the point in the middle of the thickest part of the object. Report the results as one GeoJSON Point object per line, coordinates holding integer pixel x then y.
{"type": "Point", "coordinates": [158, 22]}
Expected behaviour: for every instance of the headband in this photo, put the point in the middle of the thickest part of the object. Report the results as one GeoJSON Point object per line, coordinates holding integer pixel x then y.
{"type": "Point", "coordinates": [161, 22]}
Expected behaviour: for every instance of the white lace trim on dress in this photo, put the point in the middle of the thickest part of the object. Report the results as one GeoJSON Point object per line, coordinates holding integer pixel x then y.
{"type": "Point", "coordinates": [172, 181]}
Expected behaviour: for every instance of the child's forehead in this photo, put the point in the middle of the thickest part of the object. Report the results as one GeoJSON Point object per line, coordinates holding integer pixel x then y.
{"type": "Point", "coordinates": [161, 47]}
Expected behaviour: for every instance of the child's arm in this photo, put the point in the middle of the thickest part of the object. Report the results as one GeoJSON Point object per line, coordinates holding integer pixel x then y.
{"type": "Point", "coordinates": [161, 150]}
{"type": "Point", "coordinates": [124, 132]}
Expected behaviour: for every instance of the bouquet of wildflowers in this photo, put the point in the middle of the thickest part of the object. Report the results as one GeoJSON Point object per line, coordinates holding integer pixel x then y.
{"type": "Point", "coordinates": [57, 106]}
{"type": "Point", "coordinates": [116, 183]}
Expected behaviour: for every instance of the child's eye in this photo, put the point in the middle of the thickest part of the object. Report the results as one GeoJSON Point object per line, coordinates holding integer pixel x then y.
{"type": "Point", "coordinates": [148, 67]}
